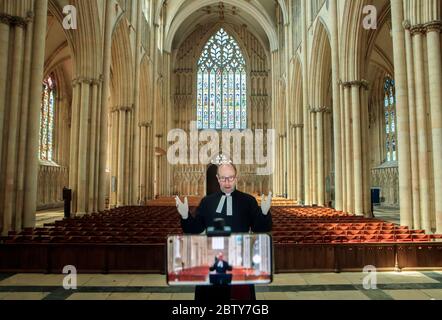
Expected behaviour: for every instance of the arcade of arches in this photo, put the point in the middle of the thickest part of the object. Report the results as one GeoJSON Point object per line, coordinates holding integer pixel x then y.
{"type": "Point", "coordinates": [90, 108]}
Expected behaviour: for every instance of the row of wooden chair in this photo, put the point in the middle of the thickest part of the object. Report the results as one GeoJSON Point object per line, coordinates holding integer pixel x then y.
{"type": "Point", "coordinates": [152, 225]}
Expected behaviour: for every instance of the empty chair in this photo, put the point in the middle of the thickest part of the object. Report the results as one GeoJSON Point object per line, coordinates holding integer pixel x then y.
{"type": "Point", "coordinates": [421, 238]}
{"type": "Point", "coordinates": [387, 238]}
{"type": "Point", "coordinates": [404, 238]}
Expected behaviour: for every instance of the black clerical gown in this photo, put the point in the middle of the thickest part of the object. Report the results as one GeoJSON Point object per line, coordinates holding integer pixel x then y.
{"type": "Point", "coordinates": [246, 215]}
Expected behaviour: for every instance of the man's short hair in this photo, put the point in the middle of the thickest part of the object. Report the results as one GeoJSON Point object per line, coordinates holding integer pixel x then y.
{"type": "Point", "coordinates": [227, 165]}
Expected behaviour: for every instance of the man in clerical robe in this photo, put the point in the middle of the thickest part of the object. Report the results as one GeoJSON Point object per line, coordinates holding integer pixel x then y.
{"type": "Point", "coordinates": [239, 210]}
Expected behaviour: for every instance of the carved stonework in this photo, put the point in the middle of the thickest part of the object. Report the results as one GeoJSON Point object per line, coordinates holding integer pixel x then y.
{"type": "Point", "coordinates": [417, 29]}
{"type": "Point", "coordinates": [433, 26]}
{"type": "Point", "coordinates": [14, 21]}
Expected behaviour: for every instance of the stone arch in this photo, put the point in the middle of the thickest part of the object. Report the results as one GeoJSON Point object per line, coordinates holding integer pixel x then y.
{"type": "Point", "coordinates": [122, 66]}
{"type": "Point", "coordinates": [86, 40]}
{"type": "Point", "coordinates": [261, 17]}
{"type": "Point", "coordinates": [353, 46]}
{"type": "Point", "coordinates": [320, 81]}
{"type": "Point", "coordinates": [228, 28]}
{"type": "Point", "coordinates": [296, 91]}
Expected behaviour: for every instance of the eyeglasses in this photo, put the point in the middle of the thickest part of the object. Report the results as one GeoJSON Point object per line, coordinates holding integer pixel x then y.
{"type": "Point", "coordinates": [227, 179]}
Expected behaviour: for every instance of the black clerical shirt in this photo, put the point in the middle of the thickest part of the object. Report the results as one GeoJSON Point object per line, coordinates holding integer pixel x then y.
{"type": "Point", "coordinates": [247, 215]}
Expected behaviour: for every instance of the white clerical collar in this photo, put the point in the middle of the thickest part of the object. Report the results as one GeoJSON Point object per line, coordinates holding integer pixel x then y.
{"type": "Point", "coordinates": [229, 204]}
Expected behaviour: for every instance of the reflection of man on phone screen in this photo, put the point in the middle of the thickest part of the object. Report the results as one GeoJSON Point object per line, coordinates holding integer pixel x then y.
{"type": "Point", "coordinates": [221, 266]}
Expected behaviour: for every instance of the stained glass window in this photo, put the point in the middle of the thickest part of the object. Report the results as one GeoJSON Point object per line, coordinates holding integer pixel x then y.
{"type": "Point", "coordinates": [390, 119]}
{"type": "Point", "coordinates": [47, 119]}
{"type": "Point", "coordinates": [222, 85]}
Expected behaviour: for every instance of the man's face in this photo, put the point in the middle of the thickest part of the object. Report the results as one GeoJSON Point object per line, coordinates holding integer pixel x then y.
{"type": "Point", "coordinates": [227, 179]}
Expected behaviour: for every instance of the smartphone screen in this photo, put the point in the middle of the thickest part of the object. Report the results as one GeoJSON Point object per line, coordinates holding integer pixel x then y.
{"type": "Point", "coordinates": [237, 259]}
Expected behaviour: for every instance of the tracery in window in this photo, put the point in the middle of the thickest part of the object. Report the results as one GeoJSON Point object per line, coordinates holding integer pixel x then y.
{"type": "Point", "coordinates": [47, 113]}
{"type": "Point", "coordinates": [222, 85]}
{"type": "Point", "coordinates": [390, 120]}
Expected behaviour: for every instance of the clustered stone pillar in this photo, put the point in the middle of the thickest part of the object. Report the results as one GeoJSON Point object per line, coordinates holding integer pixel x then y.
{"type": "Point", "coordinates": [307, 142]}
{"type": "Point", "coordinates": [336, 106]}
{"type": "Point", "coordinates": [354, 120]}
{"type": "Point", "coordinates": [417, 55]}
{"type": "Point", "coordinates": [85, 145]}
{"type": "Point", "coordinates": [433, 30]}
{"type": "Point", "coordinates": [22, 48]}
{"type": "Point", "coordinates": [104, 108]}
{"type": "Point", "coordinates": [348, 149]}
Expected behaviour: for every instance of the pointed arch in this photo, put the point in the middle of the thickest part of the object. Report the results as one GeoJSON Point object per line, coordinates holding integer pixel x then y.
{"type": "Point", "coordinates": [122, 66]}
{"type": "Point", "coordinates": [320, 77]}
{"type": "Point", "coordinates": [221, 84]}
{"type": "Point", "coordinates": [182, 15]}
{"type": "Point", "coordinates": [353, 46]}
{"type": "Point", "coordinates": [296, 91]}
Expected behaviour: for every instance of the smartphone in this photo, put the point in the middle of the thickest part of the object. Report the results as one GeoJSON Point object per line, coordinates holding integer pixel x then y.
{"type": "Point", "coordinates": [238, 259]}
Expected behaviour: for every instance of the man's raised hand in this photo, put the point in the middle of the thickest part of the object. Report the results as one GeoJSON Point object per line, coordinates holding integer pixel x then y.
{"type": "Point", "coordinates": [266, 203]}
{"type": "Point", "coordinates": [183, 208]}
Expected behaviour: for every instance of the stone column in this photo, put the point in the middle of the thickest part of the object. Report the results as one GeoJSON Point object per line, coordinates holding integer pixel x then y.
{"type": "Point", "coordinates": [348, 149]}
{"type": "Point", "coordinates": [4, 54]}
{"type": "Point", "coordinates": [307, 168]}
{"type": "Point", "coordinates": [14, 103]}
{"type": "Point", "coordinates": [343, 147]}
{"type": "Point", "coordinates": [93, 156]}
{"type": "Point", "coordinates": [104, 114]}
{"type": "Point", "coordinates": [416, 216]}
{"type": "Point", "coordinates": [24, 111]}
{"type": "Point", "coordinates": [365, 152]}
{"type": "Point", "coordinates": [82, 173]}
{"type": "Point", "coordinates": [122, 112]}
{"type": "Point", "coordinates": [336, 105]}
{"type": "Point", "coordinates": [114, 156]}
{"type": "Point", "coordinates": [74, 142]}
{"type": "Point", "coordinates": [39, 42]}
{"type": "Point", "coordinates": [357, 148]}
{"type": "Point", "coordinates": [397, 16]}
{"type": "Point", "coordinates": [128, 156]}
{"type": "Point", "coordinates": [421, 103]}
{"type": "Point", "coordinates": [143, 163]}
{"type": "Point", "coordinates": [313, 157]}
{"type": "Point", "coordinates": [435, 83]}
{"type": "Point", "coordinates": [136, 183]}
{"type": "Point", "coordinates": [320, 155]}
{"type": "Point", "coordinates": [299, 128]}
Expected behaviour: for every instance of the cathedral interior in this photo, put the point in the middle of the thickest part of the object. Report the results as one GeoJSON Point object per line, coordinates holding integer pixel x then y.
{"type": "Point", "coordinates": [340, 99]}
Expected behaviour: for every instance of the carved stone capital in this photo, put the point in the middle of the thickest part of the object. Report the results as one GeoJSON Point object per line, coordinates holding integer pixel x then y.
{"type": "Point", "coordinates": [145, 124]}
{"type": "Point", "coordinates": [125, 108]}
{"type": "Point", "coordinates": [417, 29]}
{"type": "Point", "coordinates": [297, 125]}
{"type": "Point", "coordinates": [406, 24]}
{"type": "Point", "coordinates": [433, 26]}
{"type": "Point", "coordinates": [13, 20]}
{"type": "Point", "coordinates": [356, 83]}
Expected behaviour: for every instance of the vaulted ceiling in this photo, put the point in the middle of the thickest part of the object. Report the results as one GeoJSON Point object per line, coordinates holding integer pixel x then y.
{"type": "Point", "coordinates": [183, 16]}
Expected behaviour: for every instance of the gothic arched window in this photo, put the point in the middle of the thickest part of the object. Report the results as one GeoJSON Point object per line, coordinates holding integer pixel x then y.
{"type": "Point", "coordinates": [390, 120]}
{"type": "Point", "coordinates": [47, 113]}
{"type": "Point", "coordinates": [222, 85]}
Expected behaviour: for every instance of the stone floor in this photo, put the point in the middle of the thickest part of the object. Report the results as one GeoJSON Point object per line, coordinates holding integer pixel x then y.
{"type": "Point", "coordinates": [317, 286]}
{"type": "Point", "coordinates": [388, 214]}
{"type": "Point", "coordinates": [48, 216]}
